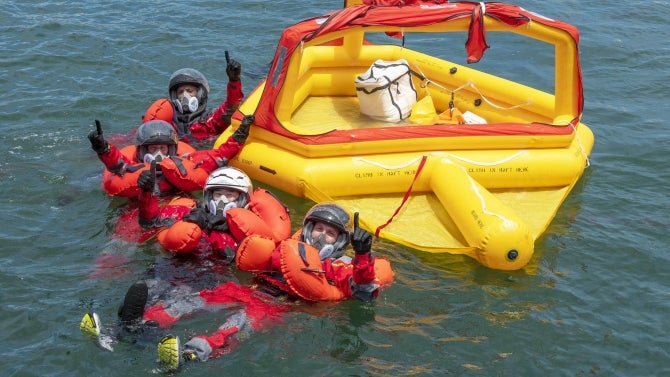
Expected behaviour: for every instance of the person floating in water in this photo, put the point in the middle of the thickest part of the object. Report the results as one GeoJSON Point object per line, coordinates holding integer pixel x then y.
{"type": "Point", "coordinates": [311, 265]}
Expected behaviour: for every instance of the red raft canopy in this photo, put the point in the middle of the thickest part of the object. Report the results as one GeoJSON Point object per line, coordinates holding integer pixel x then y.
{"type": "Point", "coordinates": [403, 15]}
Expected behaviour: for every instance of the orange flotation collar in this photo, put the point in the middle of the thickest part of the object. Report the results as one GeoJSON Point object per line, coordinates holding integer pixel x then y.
{"type": "Point", "coordinates": [302, 270]}
{"type": "Point", "coordinates": [182, 175]}
{"type": "Point", "coordinates": [266, 216]}
{"type": "Point", "coordinates": [161, 109]}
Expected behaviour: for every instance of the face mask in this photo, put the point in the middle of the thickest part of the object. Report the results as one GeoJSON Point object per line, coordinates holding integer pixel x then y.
{"type": "Point", "coordinates": [325, 249]}
{"type": "Point", "coordinates": [221, 206]}
{"type": "Point", "coordinates": [187, 103]}
{"type": "Point", "coordinates": [158, 156]}
{"type": "Point", "coordinates": [326, 252]}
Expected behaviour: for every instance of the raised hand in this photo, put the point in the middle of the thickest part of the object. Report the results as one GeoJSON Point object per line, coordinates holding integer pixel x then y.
{"type": "Point", "coordinates": [98, 142]}
{"type": "Point", "coordinates": [233, 68]}
{"type": "Point", "coordinates": [361, 239]}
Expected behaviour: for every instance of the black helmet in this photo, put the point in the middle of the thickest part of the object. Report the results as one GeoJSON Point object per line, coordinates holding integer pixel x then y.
{"type": "Point", "coordinates": [332, 214]}
{"type": "Point", "coordinates": [193, 77]}
{"type": "Point", "coordinates": [155, 132]}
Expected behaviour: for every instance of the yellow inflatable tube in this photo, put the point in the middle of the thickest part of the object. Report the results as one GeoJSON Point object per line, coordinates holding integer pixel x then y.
{"type": "Point", "coordinates": [499, 239]}
{"type": "Point", "coordinates": [393, 173]}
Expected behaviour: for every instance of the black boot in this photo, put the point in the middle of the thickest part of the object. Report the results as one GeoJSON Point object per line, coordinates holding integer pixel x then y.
{"type": "Point", "coordinates": [132, 310]}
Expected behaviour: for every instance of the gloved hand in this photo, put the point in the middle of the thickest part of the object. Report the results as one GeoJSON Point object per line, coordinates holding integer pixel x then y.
{"type": "Point", "coordinates": [361, 239]}
{"type": "Point", "coordinates": [198, 216]}
{"type": "Point", "coordinates": [147, 179]}
{"type": "Point", "coordinates": [217, 222]}
{"type": "Point", "coordinates": [242, 132]}
{"type": "Point", "coordinates": [233, 69]}
{"type": "Point", "coordinates": [98, 142]}
{"type": "Point", "coordinates": [228, 114]}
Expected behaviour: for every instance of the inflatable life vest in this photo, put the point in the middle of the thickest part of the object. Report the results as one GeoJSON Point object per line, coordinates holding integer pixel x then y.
{"type": "Point", "coordinates": [266, 216]}
{"type": "Point", "coordinates": [183, 174]}
{"type": "Point", "coordinates": [181, 236]}
{"type": "Point", "coordinates": [126, 185]}
{"type": "Point", "coordinates": [161, 109]}
{"type": "Point", "coordinates": [301, 267]}
{"type": "Point", "coordinates": [303, 272]}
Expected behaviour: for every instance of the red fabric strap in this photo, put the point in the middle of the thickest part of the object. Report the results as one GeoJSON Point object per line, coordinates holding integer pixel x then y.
{"type": "Point", "coordinates": [404, 199]}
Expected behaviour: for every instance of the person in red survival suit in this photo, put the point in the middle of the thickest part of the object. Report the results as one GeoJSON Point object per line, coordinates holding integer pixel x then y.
{"type": "Point", "coordinates": [313, 265]}
{"type": "Point", "coordinates": [316, 271]}
{"type": "Point", "coordinates": [188, 91]}
{"type": "Point", "coordinates": [229, 211]}
{"type": "Point", "coordinates": [325, 234]}
{"type": "Point", "coordinates": [181, 168]}
{"type": "Point", "coordinates": [186, 106]}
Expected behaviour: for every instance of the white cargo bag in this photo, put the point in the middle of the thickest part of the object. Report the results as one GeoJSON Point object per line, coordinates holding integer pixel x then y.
{"type": "Point", "coordinates": [385, 91]}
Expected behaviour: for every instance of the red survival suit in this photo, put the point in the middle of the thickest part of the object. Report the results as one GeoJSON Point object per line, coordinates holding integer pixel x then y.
{"type": "Point", "coordinates": [215, 122]}
{"type": "Point", "coordinates": [307, 277]}
{"type": "Point", "coordinates": [187, 171]}
{"type": "Point", "coordinates": [298, 271]}
{"type": "Point", "coordinates": [264, 215]}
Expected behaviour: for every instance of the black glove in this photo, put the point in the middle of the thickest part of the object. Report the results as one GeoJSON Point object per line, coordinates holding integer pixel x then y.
{"type": "Point", "coordinates": [233, 69]}
{"type": "Point", "coordinates": [361, 239]}
{"type": "Point", "coordinates": [198, 216]}
{"type": "Point", "coordinates": [217, 222]}
{"type": "Point", "coordinates": [228, 114]}
{"type": "Point", "coordinates": [98, 142]}
{"type": "Point", "coordinates": [242, 132]}
{"type": "Point", "coordinates": [147, 179]}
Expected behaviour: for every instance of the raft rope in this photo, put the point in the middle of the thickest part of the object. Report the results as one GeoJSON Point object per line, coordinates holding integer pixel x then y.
{"type": "Point", "coordinates": [472, 85]}
{"type": "Point", "coordinates": [388, 167]}
{"type": "Point", "coordinates": [579, 142]}
{"type": "Point", "coordinates": [404, 199]}
{"type": "Point", "coordinates": [453, 156]}
{"type": "Point", "coordinates": [492, 163]}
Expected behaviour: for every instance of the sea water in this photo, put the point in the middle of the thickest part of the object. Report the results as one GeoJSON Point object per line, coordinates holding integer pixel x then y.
{"type": "Point", "coordinates": [593, 302]}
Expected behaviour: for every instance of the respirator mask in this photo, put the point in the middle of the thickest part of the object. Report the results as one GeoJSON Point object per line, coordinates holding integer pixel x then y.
{"type": "Point", "coordinates": [187, 103]}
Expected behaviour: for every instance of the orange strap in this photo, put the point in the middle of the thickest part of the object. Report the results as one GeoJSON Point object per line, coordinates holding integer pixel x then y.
{"type": "Point", "coordinates": [404, 199]}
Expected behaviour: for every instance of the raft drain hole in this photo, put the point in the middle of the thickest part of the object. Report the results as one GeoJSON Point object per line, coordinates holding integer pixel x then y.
{"type": "Point", "coordinates": [512, 254]}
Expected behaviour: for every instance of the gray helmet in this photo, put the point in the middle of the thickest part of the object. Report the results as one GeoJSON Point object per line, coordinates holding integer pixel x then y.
{"type": "Point", "coordinates": [332, 214]}
{"type": "Point", "coordinates": [155, 132]}
{"type": "Point", "coordinates": [193, 77]}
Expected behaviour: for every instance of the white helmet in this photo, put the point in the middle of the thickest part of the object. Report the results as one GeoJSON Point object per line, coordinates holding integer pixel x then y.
{"type": "Point", "coordinates": [230, 178]}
